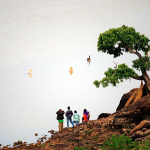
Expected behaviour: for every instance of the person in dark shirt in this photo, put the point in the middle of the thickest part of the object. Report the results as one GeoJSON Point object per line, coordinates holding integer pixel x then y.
{"type": "Point", "coordinates": [60, 117]}
{"type": "Point", "coordinates": [69, 114]}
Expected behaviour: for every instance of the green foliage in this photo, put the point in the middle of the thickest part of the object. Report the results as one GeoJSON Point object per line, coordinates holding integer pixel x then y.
{"type": "Point", "coordinates": [86, 132]}
{"type": "Point", "coordinates": [142, 64]}
{"type": "Point", "coordinates": [115, 41]}
{"type": "Point", "coordinates": [80, 148]}
{"type": "Point", "coordinates": [120, 143]}
{"type": "Point", "coordinates": [91, 131]}
{"type": "Point", "coordinates": [115, 76]}
{"type": "Point", "coordinates": [145, 145]}
{"type": "Point", "coordinates": [124, 36]}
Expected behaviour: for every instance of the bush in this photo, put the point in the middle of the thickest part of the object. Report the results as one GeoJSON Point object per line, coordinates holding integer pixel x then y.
{"type": "Point", "coordinates": [120, 143]}
{"type": "Point", "coordinates": [80, 148]}
{"type": "Point", "coordinates": [145, 145]}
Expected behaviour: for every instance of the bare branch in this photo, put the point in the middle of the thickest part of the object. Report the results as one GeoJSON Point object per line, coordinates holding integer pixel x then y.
{"type": "Point", "coordinates": [115, 64]}
{"type": "Point", "coordinates": [137, 77]}
{"type": "Point", "coordinates": [114, 72]}
{"type": "Point", "coordinates": [133, 52]}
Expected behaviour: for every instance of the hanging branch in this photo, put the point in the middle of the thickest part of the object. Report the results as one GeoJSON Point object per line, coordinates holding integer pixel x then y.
{"type": "Point", "coordinates": [132, 51]}
{"type": "Point", "coordinates": [114, 72]}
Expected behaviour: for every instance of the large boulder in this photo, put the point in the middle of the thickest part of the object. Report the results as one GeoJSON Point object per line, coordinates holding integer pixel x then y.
{"type": "Point", "coordinates": [134, 113]}
{"type": "Point", "coordinates": [103, 115]}
{"type": "Point", "coordinates": [124, 99]}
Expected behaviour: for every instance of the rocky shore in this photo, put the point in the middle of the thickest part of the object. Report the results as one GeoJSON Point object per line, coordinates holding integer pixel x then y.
{"type": "Point", "coordinates": [132, 120]}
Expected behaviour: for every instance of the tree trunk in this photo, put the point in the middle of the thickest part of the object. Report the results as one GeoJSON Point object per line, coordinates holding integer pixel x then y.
{"type": "Point", "coordinates": [147, 83]}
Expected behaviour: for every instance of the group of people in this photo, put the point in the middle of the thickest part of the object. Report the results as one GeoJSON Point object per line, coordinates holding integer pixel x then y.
{"type": "Point", "coordinates": [69, 114]}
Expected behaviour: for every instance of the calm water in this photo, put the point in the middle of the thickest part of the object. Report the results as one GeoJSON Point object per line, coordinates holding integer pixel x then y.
{"type": "Point", "coordinates": [50, 37]}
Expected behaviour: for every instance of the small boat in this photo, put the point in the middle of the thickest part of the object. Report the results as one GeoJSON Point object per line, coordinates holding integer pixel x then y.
{"type": "Point", "coordinates": [71, 70]}
{"type": "Point", "coordinates": [30, 71]}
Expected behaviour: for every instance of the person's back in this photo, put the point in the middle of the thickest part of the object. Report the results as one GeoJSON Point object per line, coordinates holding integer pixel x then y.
{"type": "Point", "coordinates": [76, 118]}
{"type": "Point", "coordinates": [86, 115]}
{"type": "Point", "coordinates": [69, 114]}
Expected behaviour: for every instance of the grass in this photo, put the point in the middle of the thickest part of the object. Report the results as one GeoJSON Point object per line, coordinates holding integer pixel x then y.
{"type": "Point", "coordinates": [81, 148]}
{"type": "Point", "coordinates": [91, 131]}
{"type": "Point", "coordinates": [86, 132]}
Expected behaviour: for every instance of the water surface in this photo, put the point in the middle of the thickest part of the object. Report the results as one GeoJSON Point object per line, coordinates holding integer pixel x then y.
{"type": "Point", "coordinates": [50, 37]}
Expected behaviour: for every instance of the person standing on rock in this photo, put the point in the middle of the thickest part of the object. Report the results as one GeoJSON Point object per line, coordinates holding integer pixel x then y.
{"type": "Point", "coordinates": [86, 116]}
{"type": "Point", "coordinates": [69, 116]}
{"type": "Point", "coordinates": [76, 118]}
{"type": "Point", "coordinates": [60, 117]}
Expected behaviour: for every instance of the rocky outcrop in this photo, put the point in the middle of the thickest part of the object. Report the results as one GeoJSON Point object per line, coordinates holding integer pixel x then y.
{"type": "Point", "coordinates": [103, 115]}
{"type": "Point", "coordinates": [124, 99]}
{"type": "Point", "coordinates": [132, 120]}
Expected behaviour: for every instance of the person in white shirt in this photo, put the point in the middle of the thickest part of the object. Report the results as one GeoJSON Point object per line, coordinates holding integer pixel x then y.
{"type": "Point", "coordinates": [76, 118]}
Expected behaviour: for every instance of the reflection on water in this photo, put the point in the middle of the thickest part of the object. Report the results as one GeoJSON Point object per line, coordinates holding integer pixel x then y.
{"type": "Point", "coordinates": [71, 70]}
{"type": "Point", "coordinates": [30, 73]}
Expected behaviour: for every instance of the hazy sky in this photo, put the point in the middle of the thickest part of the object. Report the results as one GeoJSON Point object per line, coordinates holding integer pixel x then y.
{"type": "Point", "coordinates": [50, 36]}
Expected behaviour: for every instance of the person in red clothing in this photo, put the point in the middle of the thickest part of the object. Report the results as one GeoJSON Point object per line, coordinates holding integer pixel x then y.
{"type": "Point", "coordinates": [86, 116]}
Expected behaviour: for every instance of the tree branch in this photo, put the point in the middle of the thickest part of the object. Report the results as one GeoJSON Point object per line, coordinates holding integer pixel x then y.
{"type": "Point", "coordinates": [133, 52]}
{"type": "Point", "coordinates": [137, 77]}
{"type": "Point", "coordinates": [114, 72]}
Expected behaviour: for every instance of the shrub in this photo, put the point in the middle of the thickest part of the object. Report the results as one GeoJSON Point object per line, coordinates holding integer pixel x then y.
{"type": "Point", "coordinates": [120, 143]}
{"type": "Point", "coordinates": [145, 145]}
{"type": "Point", "coordinates": [86, 132]}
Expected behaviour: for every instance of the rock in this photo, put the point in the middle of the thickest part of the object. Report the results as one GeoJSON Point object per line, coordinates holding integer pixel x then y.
{"type": "Point", "coordinates": [70, 129]}
{"type": "Point", "coordinates": [76, 138]}
{"type": "Point", "coordinates": [36, 134]}
{"type": "Point", "coordinates": [19, 142]}
{"type": "Point", "coordinates": [44, 137]}
{"type": "Point", "coordinates": [147, 132]}
{"type": "Point", "coordinates": [147, 126]}
{"type": "Point", "coordinates": [5, 147]}
{"type": "Point", "coordinates": [81, 129]}
{"type": "Point", "coordinates": [124, 130]}
{"type": "Point", "coordinates": [124, 99]}
{"type": "Point", "coordinates": [23, 144]}
{"type": "Point", "coordinates": [15, 143]}
{"type": "Point", "coordinates": [139, 139]}
{"type": "Point", "coordinates": [103, 115]}
{"type": "Point", "coordinates": [134, 113]}
{"type": "Point", "coordinates": [144, 129]}
{"type": "Point", "coordinates": [65, 129]}
{"type": "Point", "coordinates": [51, 131]}
{"type": "Point", "coordinates": [42, 140]}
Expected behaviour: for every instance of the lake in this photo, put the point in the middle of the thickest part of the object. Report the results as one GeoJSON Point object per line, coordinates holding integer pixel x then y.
{"type": "Point", "coordinates": [49, 37]}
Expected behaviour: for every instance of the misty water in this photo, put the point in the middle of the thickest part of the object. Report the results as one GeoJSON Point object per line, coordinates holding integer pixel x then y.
{"type": "Point", "coordinates": [49, 37]}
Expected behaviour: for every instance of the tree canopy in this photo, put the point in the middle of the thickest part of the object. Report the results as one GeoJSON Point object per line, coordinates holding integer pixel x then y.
{"type": "Point", "coordinates": [115, 41]}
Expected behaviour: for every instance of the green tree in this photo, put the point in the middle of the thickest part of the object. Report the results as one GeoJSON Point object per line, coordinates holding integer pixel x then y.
{"type": "Point", "coordinates": [115, 41]}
